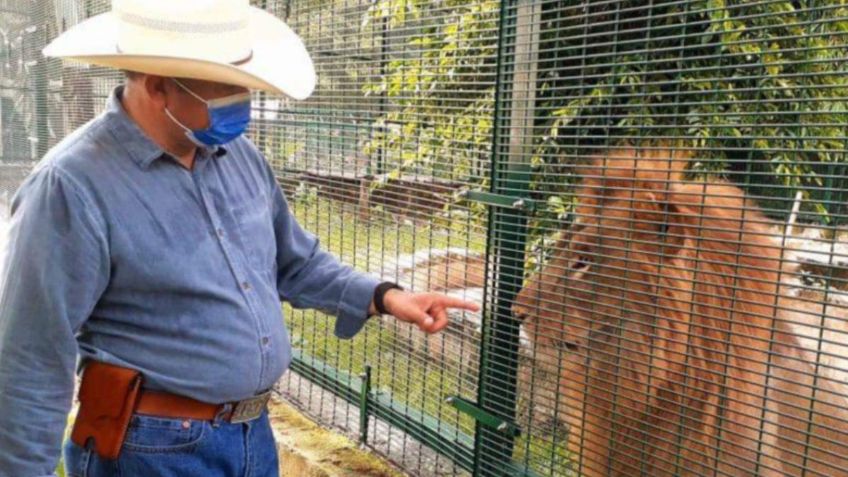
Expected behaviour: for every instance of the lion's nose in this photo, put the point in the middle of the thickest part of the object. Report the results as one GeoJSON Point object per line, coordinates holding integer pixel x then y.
{"type": "Point", "coordinates": [520, 312]}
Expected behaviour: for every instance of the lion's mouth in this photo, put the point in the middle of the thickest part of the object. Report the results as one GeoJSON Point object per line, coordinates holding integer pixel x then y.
{"type": "Point", "coordinates": [564, 345]}
{"type": "Point", "coordinates": [560, 344]}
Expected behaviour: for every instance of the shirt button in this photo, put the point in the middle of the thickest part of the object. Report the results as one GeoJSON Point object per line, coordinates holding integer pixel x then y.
{"type": "Point", "coordinates": [245, 286]}
{"type": "Point", "coordinates": [220, 232]}
{"type": "Point", "coordinates": [265, 340]}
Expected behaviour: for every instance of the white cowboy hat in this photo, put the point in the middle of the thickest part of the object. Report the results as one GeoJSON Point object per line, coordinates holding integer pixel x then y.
{"type": "Point", "coordinates": [225, 41]}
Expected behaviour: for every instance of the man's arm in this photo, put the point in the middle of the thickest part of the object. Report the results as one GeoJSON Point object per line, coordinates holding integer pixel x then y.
{"type": "Point", "coordinates": [56, 268]}
{"type": "Point", "coordinates": [308, 277]}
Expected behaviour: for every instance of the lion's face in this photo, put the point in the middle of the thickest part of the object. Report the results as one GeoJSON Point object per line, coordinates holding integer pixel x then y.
{"type": "Point", "coordinates": [602, 278]}
{"type": "Point", "coordinates": [660, 313]}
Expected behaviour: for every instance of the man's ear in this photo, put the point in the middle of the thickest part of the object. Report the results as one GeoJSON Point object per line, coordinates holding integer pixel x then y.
{"type": "Point", "coordinates": [156, 88]}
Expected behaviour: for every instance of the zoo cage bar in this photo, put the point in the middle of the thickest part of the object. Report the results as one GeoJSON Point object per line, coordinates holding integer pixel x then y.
{"type": "Point", "coordinates": [638, 319]}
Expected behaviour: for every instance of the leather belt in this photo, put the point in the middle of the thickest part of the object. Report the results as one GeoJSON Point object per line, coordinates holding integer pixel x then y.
{"type": "Point", "coordinates": [161, 404]}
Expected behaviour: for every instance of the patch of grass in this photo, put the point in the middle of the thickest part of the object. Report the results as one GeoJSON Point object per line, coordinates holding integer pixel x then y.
{"type": "Point", "coordinates": [415, 380]}
{"type": "Point", "coordinates": [372, 245]}
{"type": "Point", "coordinates": [407, 376]}
{"type": "Point", "coordinates": [545, 455]}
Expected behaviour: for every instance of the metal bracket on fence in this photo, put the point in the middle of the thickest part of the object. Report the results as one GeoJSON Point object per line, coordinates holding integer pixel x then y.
{"type": "Point", "coordinates": [364, 391]}
{"type": "Point", "coordinates": [501, 200]}
{"type": "Point", "coordinates": [467, 407]}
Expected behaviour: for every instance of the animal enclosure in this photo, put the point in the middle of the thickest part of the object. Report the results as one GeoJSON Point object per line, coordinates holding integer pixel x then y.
{"type": "Point", "coordinates": [650, 199]}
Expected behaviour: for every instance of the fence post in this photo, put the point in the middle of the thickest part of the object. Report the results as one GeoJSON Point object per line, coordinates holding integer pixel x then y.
{"type": "Point", "coordinates": [510, 175]}
{"type": "Point", "coordinates": [39, 41]}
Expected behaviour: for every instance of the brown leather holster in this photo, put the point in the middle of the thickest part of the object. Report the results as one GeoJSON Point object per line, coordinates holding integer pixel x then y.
{"type": "Point", "coordinates": [108, 396]}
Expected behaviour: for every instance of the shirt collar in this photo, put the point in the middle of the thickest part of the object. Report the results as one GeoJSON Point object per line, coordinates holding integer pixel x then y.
{"type": "Point", "coordinates": [141, 149]}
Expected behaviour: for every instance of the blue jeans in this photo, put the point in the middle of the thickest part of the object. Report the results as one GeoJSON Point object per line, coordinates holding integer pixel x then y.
{"type": "Point", "coordinates": [164, 447]}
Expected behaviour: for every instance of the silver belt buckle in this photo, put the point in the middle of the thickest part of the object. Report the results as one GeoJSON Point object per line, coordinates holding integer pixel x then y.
{"type": "Point", "coordinates": [249, 409]}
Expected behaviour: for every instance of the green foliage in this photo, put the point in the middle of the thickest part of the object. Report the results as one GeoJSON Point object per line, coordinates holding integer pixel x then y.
{"type": "Point", "coordinates": [758, 89]}
{"type": "Point", "coordinates": [438, 84]}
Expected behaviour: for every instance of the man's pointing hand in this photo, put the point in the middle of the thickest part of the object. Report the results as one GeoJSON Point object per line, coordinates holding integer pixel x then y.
{"type": "Point", "coordinates": [429, 311]}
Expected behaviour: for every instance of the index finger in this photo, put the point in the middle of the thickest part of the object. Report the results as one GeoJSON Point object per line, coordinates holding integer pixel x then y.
{"type": "Point", "coordinates": [451, 302]}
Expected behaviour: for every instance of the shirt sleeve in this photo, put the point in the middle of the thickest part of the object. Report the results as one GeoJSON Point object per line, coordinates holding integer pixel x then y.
{"type": "Point", "coordinates": [56, 268]}
{"type": "Point", "coordinates": [308, 277]}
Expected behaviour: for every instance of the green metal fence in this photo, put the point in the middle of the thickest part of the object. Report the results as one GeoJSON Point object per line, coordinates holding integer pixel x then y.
{"type": "Point", "coordinates": [648, 197]}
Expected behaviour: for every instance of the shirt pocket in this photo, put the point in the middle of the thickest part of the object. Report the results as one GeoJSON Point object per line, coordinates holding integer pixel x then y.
{"type": "Point", "coordinates": [255, 231]}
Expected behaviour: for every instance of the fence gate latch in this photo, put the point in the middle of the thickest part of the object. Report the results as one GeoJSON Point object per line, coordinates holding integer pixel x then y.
{"type": "Point", "coordinates": [467, 407]}
{"type": "Point", "coordinates": [523, 204]}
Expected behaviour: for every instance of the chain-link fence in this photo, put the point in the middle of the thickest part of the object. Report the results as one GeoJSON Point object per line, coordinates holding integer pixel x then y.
{"type": "Point", "coordinates": [648, 197]}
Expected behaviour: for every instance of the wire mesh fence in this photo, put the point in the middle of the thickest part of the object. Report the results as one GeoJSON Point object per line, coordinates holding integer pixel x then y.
{"type": "Point", "coordinates": [648, 197]}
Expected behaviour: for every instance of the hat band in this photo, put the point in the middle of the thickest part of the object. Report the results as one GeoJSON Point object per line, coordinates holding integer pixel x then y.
{"type": "Point", "coordinates": [182, 27]}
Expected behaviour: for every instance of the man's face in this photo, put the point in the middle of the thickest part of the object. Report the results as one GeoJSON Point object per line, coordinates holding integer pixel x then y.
{"type": "Point", "coordinates": [188, 109]}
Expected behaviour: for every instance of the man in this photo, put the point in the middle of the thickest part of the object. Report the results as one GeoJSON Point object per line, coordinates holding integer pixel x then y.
{"type": "Point", "coordinates": [155, 243]}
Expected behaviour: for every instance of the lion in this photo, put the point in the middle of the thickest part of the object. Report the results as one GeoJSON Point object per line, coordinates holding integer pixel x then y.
{"type": "Point", "coordinates": [678, 349]}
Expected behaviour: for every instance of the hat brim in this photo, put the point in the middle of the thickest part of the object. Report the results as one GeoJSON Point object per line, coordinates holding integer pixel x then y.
{"type": "Point", "coordinates": [279, 62]}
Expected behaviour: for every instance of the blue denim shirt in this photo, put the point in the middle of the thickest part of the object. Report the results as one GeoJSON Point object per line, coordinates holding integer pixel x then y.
{"type": "Point", "coordinates": [119, 254]}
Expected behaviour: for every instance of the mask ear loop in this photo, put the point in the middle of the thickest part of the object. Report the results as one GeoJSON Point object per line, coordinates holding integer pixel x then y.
{"type": "Point", "coordinates": [184, 87]}
{"type": "Point", "coordinates": [196, 96]}
{"type": "Point", "coordinates": [176, 121]}
{"type": "Point", "coordinates": [188, 132]}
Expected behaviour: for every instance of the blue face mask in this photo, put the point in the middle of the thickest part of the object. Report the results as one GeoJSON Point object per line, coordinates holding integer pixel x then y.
{"type": "Point", "coordinates": [228, 119]}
